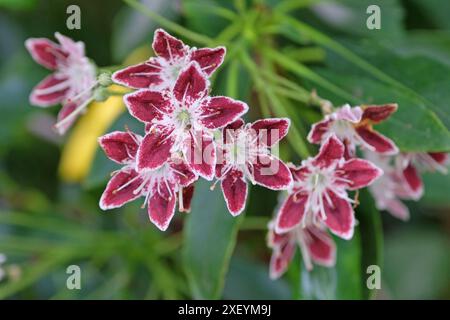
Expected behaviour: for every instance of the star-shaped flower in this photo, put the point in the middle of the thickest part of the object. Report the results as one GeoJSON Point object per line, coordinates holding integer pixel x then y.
{"type": "Point", "coordinates": [70, 84]}
{"type": "Point", "coordinates": [181, 120]}
{"type": "Point", "coordinates": [173, 55]}
{"type": "Point", "coordinates": [401, 179]}
{"type": "Point", "coordinates": [245, 155]}
{"type": "Point", "coordinates": [315, 243]}
{"type": "Point", "coordinates": [319, 193]}
{"type": "Point", "coordinates": [160, 187]}
{"type": "Point", "coordinates": [354, 127]}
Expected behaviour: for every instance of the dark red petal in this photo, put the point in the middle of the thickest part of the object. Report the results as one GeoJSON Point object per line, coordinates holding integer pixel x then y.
{"type": "Point", "coordinates": [234, 188]}
{"type": "Point", "coordinates": [112, 197]}
{"type": "Point", "coordinates": [271, 172]}
{"type": "Point", "coordinates": [167, 46]}
{"type": "Point", "coordinates": [291, 212]}
{"type": "Point", "coordinates": [146, 105]}
{"type": "Point", "coordinates": [139, 76]}
{"type": "Point", "coordinates": [154, 150]}
{"type": "Point", "coordinates": [239, 123]}
{"type": "Point", "coordinates": [280, 259]}
{"type": "Point", "coordinates": [379, 113]}
{"type": "Point", "coordinates": [209, 59]}
{"type": "Point", "coordinates": [188, 193]}
{"type": "Point", "coordinates": [340, 216]}
{"type": "Point", "coordinates": [50, 91]}
{"type": "Point", "coordinates": [183, 173]}
{"type": "Point", "coordinates": [298, 173]}
{"type": "Point", "coordinates": [45, 52]}
{"type": "Point", "coordinates": [201, 156]}
{"type": "Point", "coordinates": [359, 172]}
{"type": "Point", "coordinates": [329, 152]}
{"type": "Point", "coordinates": [120, 147]}
{"type": "Point", "coordinates": [413, 180]}
{"type": "Point", "coordinates": [380, 143]}
{"type": "Point", "coordinates": [217, 112]}
{"type": "Point", "coordinates": [191, 84]}
{"type": "Point", "coordinates": [161, 207]}
{"type": "Point", "coordinates": [439, 157]}
{"type": "Point", "coordinates": [321, 247]}
{"type": "Point", "coordinates": [318, 130]}
{"type": "Point", "coordinates": [229, 130]}
{"type": "Point", "coordinates": [270, 131]}
{"type": "Point", "coordinates": [66, 111]}
{"type": "Point", "coordinates": [276, 240]}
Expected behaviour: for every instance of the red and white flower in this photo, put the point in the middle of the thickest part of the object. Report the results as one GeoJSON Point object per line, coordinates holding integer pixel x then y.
{"type": "Point", "coordinates": [173, 55]}
{"type": "Point", "coordinates": [354, 127]}
{"type": "Point", "coordinates": [319, 193]}
{"type": "Point", "coordinates": [316, 246]}
{"type": "Point", "coordinates": [181, 120]}
{"type": "Point", "coordinates": [245, 154]}
{"type": "Point", "coordinates": [70, 84]}
{"type": "Point", "coordinates": [160, 187]}
{"type": "Point", "coordinates": [401, 179]}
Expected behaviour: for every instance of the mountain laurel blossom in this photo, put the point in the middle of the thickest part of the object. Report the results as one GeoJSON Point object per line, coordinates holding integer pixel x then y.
{"type": "Point", "coordinates": [159, 187]}
{"type": "Point", "coordinates": [72, 81]}
{"type": "Point", "coordinates": [319, 193]}
{"type": "Point", "coordinates": [245, 154]}
{"type": "Point", "coordinates": [401, 179]}
{"type": "Point", "coordinates": [315, 244]}
{"type": "Point", "coordinates": [172, 56]}
{"type": "Point", "coordinates": [354, 127]}
{"type": "Point", "coordinates": [181, 120]}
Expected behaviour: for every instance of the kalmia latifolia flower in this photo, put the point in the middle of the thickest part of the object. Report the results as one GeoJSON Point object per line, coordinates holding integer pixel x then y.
{"type": "Point", "coordinates": [72, 80]}
{"type": "Point", "coordinates": [245, 155]}
{"type": "Point", "coordinates": [173, 55]}
{"type": "Point", "coordinates": [160, 187]}
{"type": "Point", "coordinates": [315, 243]}
{"type": "Point", "coordinates": [181, 121]}
{"type": "Point", "coordinates": [319, 193]}
{"type": "Point", "coordinates": [354, 127]}
{"type": "Point", "coordinates": [401, 179]}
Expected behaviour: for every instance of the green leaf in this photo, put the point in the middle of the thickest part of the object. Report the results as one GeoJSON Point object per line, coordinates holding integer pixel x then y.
{"type": "Point", "coordinates": [436, 189]}
{"type": "Point", "coordinates": [209, 239]}
{"type": "Point", "coordinates": [416, 264]}
{"type": "Point", "coordinates": [208, 17]}
{"type": "Point", "coordinates": [371, 231]}
{"type": "Point", "coordinates": [414, 127]}
{"type": "Point", "coordinates": [350, 16]}
{"type": "Point", "coordinates": [248, 279]}
{"type": "Point", "coordinates": [132, 29]}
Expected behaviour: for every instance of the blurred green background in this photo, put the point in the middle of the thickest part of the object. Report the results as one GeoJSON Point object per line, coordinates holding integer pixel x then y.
{"type": "Point", "coordinates": [48, 223]}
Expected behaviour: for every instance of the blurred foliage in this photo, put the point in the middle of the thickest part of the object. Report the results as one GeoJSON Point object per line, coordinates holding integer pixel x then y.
{"type": "Point", "coordinates": [278, 51]}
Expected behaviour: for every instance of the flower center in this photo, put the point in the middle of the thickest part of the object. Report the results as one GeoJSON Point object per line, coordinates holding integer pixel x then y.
{"type": "Point", "coordinates": [343, 129]}
{"type": "Point", "coordinates": [318, 181]}
{"type": "Point", "coordinates": [184, 117]}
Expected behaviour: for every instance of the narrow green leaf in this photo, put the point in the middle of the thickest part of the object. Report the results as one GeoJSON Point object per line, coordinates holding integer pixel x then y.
{"type": "Point", "coordinates": [209, 239]}
{"type": "Point", "coordinates": [371, 238]}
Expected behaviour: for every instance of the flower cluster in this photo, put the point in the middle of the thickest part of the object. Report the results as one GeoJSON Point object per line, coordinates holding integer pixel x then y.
{"type": "Point", "coordinates": [318, 198]}
{"type": "Point", "coordinates": [187, 134]}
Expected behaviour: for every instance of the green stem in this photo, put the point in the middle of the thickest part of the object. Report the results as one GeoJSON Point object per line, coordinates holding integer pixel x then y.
{"type": "Point", "coordinates": [193, 36]}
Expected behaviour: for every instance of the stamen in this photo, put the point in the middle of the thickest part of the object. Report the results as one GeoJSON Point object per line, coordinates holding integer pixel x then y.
{"type": "Point", "coordinates": [74, 113]}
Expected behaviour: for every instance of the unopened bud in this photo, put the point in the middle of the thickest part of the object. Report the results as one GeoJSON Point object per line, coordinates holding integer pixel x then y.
{"type": "Point", "coordinates": [101, 94]}
{"type": "Point", "coordinates": [104, 79]}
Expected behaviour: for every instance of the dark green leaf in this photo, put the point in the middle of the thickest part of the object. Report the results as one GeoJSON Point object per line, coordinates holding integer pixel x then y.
{"type": "Point", "coordinates": [250, 280]}
{"type": "Point", "coordinates": [209, 239]}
